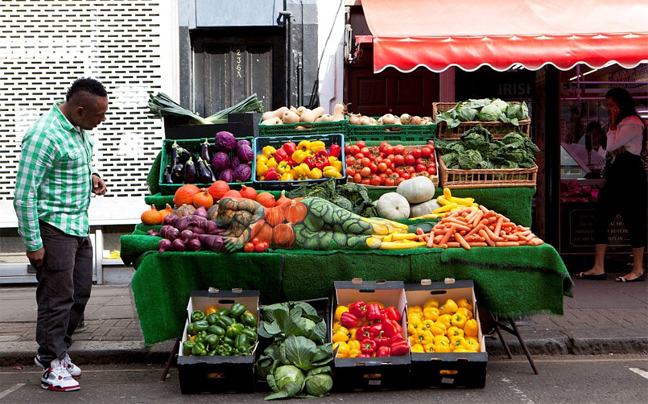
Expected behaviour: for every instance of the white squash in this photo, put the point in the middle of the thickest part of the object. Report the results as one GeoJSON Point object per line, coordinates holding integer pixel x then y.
{"type": "Point", "coordinates": [424, 208]}
{"type": "Point", "coordinates": [417, 189]}
{"type": "Point", "coordinates": [393, 206]}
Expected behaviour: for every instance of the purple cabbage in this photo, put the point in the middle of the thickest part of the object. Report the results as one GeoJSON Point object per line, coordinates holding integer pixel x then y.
{"type": "Point", "coordinates": [234, 162]}
{"type": "Point", "coordinates": [242, 173]}
{"type": "Point", "coordinates": [245, 154]}
{"type": "Point", "coordinates": [243, 142]}
{"type": "Point", "coordinates": [225, 141]}
{"type": "Point", "coordinates": [227, 175]}
{"type": "Point", "coordinates": [220, 161]}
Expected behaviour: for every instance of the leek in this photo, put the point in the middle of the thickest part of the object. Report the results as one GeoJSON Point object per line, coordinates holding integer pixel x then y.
{"type": "Point", "coordinates": [161, 105]}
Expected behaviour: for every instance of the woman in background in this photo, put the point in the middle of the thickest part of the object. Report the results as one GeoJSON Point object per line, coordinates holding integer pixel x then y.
{"type": "Point", "coordinates": [625, 190]}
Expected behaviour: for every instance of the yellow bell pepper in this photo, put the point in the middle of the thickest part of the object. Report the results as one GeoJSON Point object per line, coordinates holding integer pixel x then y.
{"type": "Point", "coordinates": [425, 337]}
{"type": "Point", "coordinates": [335, 163]}
{"type": "Point", "coordinates": [301, 172]}
{"type": "Point", "coordinates": [427, 324]}
{"type": "Point", "coordinates": [304, 145]}
{"type": "Point", "coordinates": [415, 316]}
{"type": "Point", "coordinates": [468, 314]}
{"type": "Point", "coordinates": [417, 348]}
{"type": "Point", "coordinates": [414, 309]}
{"type": "Point", "coordinates": [458, 320]}
{"type": "Point", "coordinates": [428, 347]}
{"type": "Point", "coordinates": [353, 353]}
{"type": "Point", "coordinates": [438, 325]}
{"type": "Point", "coordinates": [470, 328]}
{"type": "Point", "coordinates": [317, 145]}
{"type": "Point", "coordinates": [299, 156]}
{"type": "Point", "coordinates": [269, 151]}
{"type": "Point", "coordinates": [342, 349]}
{"type": "Point", "coordinates": [412, 340]}
{"type": "Point", "coordinates": [315, 174]}
{"type": "Point", "coordinates": [455, 332]}
{"type": "Point", "coordinates": [330, 172]}
{"type": "Point", "coordinates": [353, 344]}
{"type": "Point", "coordinates": [352, 332]}
{"type": "Point", "coordinates": [442, 347]}
{"type": "Point", "coordinates": [261, 158]}
{"type": "Point", "coordinates": [463, 302]}
{"type": "Point", "coordinates": [339, 310]}
{"type": "Point", "coordinates": [271, 162]}
{"type": "Point", "coordinates": [288, 176]}
{"type": "Point", "coordinates": [471, 345]}
{"type": "Point", "coordinates": [431, 313]}
{"type": "Point", "coordinates": [283, 167]}
{"type": "Point", "coordinates": [449, 307]}
{"type": "Point", "coordinates": [336, 326]}
{"type": "Point", "coordinates": [431, 303]}
{"type": "Point", "coordinates": [460, 349]}
{"type": "Point", "coordinates": [261, 168]}
{"type": "Point", "coordinates": [441, 337]}
{"type": "Point", "coordinates": [342, 334]}
{"type": "Point", "coordinates": [414, 326]}
{"type": "Point", "coordinates": [445, 320]}
{"type": "Point", "coordinates": [457, 342]}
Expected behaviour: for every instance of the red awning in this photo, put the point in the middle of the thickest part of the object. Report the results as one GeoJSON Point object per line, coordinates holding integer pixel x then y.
{"type": "Point", "coordinates": [438, 34]}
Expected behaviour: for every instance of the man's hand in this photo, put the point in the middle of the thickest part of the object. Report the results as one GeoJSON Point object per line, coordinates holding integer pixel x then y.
{"type": "Point", "coordinates": [98, 185]}
{"type": "Point", "coordinates": [36, 257]}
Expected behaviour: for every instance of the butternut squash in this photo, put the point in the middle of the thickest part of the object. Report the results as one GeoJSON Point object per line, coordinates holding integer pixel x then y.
{"type": "Point", "coordinates": [325, 118]}
{"type": "Point", "coordinates": [312, 115]}
{"type": "Point", "coordinates": [277, 113]}
{"type": "Point", "coordinates": [272, 121]}
{"type": "Point", "coordinates": [338, 112]}
{"type": "Point", "coordinates": [290, 117]}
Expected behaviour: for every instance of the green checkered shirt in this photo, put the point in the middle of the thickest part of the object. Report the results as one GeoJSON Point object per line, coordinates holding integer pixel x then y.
{"type": "Point", "coordinates": [54, 179]}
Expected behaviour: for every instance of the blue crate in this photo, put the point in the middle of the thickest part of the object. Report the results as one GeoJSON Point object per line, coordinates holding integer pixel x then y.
{"type": "Point", "coordinates": [277, 141]}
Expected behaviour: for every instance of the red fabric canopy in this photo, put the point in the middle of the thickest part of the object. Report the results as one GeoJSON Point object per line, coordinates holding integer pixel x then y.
{"type": "Point", "coordinates": [437, 34]}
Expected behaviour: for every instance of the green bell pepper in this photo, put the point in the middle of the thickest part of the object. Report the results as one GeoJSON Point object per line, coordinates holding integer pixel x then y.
{"type": "Point", "coordinates": [250, 334]}
{"type": "Point", "coordinates": [187, 347]}
{"type": "Point", "coordinates": [244, 350]}
{"type": "Point", "coordinates": [234, 330]}
{"type": "Point", "coordinates": [200, 337]}
{"type": "Point", "coordinates": [191, 329]}
{"type": "Point", "coordinates": [224, 350]}
{"type": "Point", "coordinates": [248, 318]}
{"type": "Point", "coordinates": [212, 340]}
{"type": "Point", "coordinates": [236, 310]}
{"type": "Point", "coordinates": [241, 341]}
{"type": "Point", "coordinates": [211, 318]}
{"type": "Point", "coordinates": [197, 315]}
{"type": "Point", "coordinates": [216, 330]}
{"type": "Point", "coordinates": [223, 312]}
{"type": "Point", "coordinates": [199, 349]}
{"type": "Point", "coordinates": [212, 352]}
{"type": "Point", "coordinates": [201, 325]}
{"type": "Point", "coordinates": [224, 321]}
{"type": "Point", "coordinates": [227, 341]}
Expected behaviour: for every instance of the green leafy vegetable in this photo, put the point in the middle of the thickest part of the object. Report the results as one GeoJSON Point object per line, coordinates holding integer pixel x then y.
{"type": "Point", "coordinates": [287, 381]}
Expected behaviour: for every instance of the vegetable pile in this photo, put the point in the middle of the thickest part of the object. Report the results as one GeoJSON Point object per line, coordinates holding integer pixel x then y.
{"type": "Point", "coordinates": [367, 330]}
{"type": "Point", "coordinates": [308, 160]}
{"type": "Point", "coordinates": [221, 332]}
{"type": "Point", "coordinates": [477, 149]}
{"type": "Point", "coordinates": [391, 121]}
{"type": "Point", "coordinates": [302, 114]}
{"type": "Point", "coordinates": [485, 109]}
{"type": "Point", "coordinates": [295, 364]}
{"type": "Point", "coordinates": [446, 328]}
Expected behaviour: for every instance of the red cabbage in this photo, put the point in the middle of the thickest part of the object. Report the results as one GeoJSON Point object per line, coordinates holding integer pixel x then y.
{"type": "Point", "coordinates": [243, 142]}
{"type": "Point", "coordinates": [227, 175]}
{"type": "Point", "coordinates": [220, 161]}
{"type": "Point", "coordinates": [242, 173]}
{"type": "Point", "coordinates": [225, 141]}
{"type": "Point", "coordinates": [245, 154]}
{"type": "Point", "coordinates": [234, 162]}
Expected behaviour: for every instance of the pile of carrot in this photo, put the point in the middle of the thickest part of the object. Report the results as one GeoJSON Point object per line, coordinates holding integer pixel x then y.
{"type": "Point", "coordinates": [477, 227]}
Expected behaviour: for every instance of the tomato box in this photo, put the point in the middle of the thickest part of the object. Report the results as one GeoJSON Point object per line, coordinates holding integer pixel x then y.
{"type": "Point", "coordinates": [374, 373]}
{"type": "Point", "coordinates": [454, 370]}
{"type": "Point", "coordinates": [218, 374]}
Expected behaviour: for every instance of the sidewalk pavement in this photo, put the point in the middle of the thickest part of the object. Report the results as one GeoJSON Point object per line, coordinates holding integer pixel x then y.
{"type": "Point", "coordinates": [603, 317]}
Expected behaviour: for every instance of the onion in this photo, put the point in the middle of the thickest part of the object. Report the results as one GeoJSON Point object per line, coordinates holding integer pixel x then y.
{"type": "Point", "coordinates": [194, 244]}
{"type": "Point", "coordinates": [164, 245]}
{"type": "Point", "coordinates": [186, 235]}
{"type": "Point", "coordinates": [172, 234]}
{"type": "Point", "coordinates": [355, 120]}
{"type": "Point", "coordinates": [209, 227]}
{"type": "Point", "coordinates": [201, 212]}
{"type": "Point", "coordinates": [164, 230]}
{"type": "Point", "coordinates": [153, 232]}
{"type": "Point", "coordinates": [178, 245]}
{"type": "Point", "coordinates": [170, 218]}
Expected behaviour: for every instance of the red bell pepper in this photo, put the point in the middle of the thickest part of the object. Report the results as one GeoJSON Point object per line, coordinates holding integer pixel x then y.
{"type": "Point", "coordinates": [348, 320]}
{"type": "Point", "coordinates": [335, 150]}
{"type": "Point", "coordinates": [399, 329]}
{"type": "Point", "coordinates": [382, 340]}
{"type": "Point", "coordinates": [322, 153]}
{"type": "Point", "coordinates": [281, 155]}
{"type": "Point", "coordinates": [363, 355]}
{"type": "Point", "coordinates": [363, 332]}
{"type": "Point", "coordinates": [396, 338]}
{"type": "Point", "coordinates": [389, 328]}
{"type": "Point", "coordinates": [399, 348]}
{"type": "Point", "coordinates": [376, 328]}
{"type": "Point", "coordinates": [359, 309]}
{"type": "Point", "coordinates": [368, 346]}
{"type": "Point", "coordinates": [373, 312]}
{"type": "Point", "coordinates": [383, 351]}
{"type": "Point", "coordinates": [321, 161]}
{"type": "Point", "coordinates": [271, 174]}
{"type": "Point", "coordinates": [393, 314]}
{"type": "Point", "coordinates": [289, 147]}
{"type": "Point", "coordinates": [310, 162]}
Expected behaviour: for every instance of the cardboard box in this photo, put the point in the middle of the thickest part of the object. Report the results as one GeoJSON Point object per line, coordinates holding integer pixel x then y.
{"type": "Point", "coordinates": [435, 370]}
{"type": "Point", "coordinates": [384, 373]}
{"type": "Point", "coordinates": [218, 374]}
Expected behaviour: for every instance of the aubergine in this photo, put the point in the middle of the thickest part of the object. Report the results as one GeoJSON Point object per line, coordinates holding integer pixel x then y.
{"type": "Point", "coordinates": [177, 173]}
{"type": "Point", "coordinates": [204, 175]}
{"type": "Point", "coordinates": [166, 177]}
{"type": "Point", "coordinates": [183, 155]}
{"type": "Point", "coordinates": [174, 152]}
{"type": "Point", "coordinates": [204, 151]}
{"type": "Point", "coordinates": [190, 175]}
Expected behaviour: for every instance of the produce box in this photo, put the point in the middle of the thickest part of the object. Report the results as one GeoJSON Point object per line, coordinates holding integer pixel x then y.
{"type": "Point", "coordinates": [193, 146]}
{"type": "Point", "coordinates": [434, 370]}
{"type": "Point", "coordinates": [303, 128]}
{"type": "Point", "coordinates": [277, 141]}
{"type": "Point", "coordinates": [379, 373]}
{"type": "Point", "coordinates": [392, 133]}
{"type": "Point", "coordinates": [498, 129]}
{"type": "Point", "coordinates": [486, 178]}
{"type": "Point", "coordinates": [218, 374]}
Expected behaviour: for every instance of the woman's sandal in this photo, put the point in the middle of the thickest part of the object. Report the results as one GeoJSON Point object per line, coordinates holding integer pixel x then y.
{"type": "Point", "coordinates": [599, 277]}
{"type": "Point", "coordinates": [637, 279]}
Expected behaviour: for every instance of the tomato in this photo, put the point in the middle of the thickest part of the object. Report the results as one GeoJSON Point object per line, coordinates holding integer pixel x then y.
{"type": "Point", "coordinates": [259, 248]}
{"type": "Point", "coordinates": [400, 170]}
{"type": "Point", "coordinates": [365, 150]}
{"type": "Point", "coordinates": [376, 181]}
{"type": "Point", "coordinates": [416, 153]}
{"type": "Point", "coordinates": [426, 152]}
{"type": "Point", "coordinates": [420, 168]}
{"type": "Point", "coordinates": [423, 161]}
{"type": "Point", "coordinates": [389, 171]}
{"type": "Point", "coordinates": [365, 172]}
{"type": "Point", "coordinates": [357, 178]}
{"type": "Point", "coordinates": [406, 175]}
{"type": "Point", "coordinates": [265, 245]}
{"type": "Point", "coordinates": [378, 160]}
{"type": "Point", "coordinates": [354, 149]}
{"type": "Point", "coordinates": [410, 160]}
{"type": "Point", "coordinates": [432, 157]}
{"type": "Point", "coordinates": [382, 145]}
{"type": "Point", "coordinates": [350, 160]}
{"type": "Point", "coordinates": [399, 180]}
{"type": "Point", "coordinates": [411, 169]}
{"type": "Point", "coordinates": [366, 181]}
{"type": "Point", "coordinates": [255, 240]}
{"type": "Point", "coordinates": [382, 175]}
{"type": "Point", "coordinates": [359, 156]}
{"type": "Point", "coordinates": [387, 150]}
{"type": "Point", "coordinates": [248, 247]}
{"type": "Point", "coordinates": [361, 144]}
{"type": "Point", "coordinates": [382, 167]}
{"type": "Point", "coordinates": [432, 170]}
{"type": "Point", "coordinates": [399, 149]}
{"type": "Point", "coordinates": [347, 148]}
{"type": "Point", "coordinates": [374, 167]}
{"type": "Point", "coordinates": [398, 160]}
{"type": "Point", "coordinates": [350, 171]}
{"type": "Point", "coordinates": [390, 182]}
{"type": "Point", "coordinates": [388, 162]}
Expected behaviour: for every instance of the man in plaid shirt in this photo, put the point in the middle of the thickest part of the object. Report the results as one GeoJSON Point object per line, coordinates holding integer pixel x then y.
{"type": "Point", "coordinates": [53, 187]}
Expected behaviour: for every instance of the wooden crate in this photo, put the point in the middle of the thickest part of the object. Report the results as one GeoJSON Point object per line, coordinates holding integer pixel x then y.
{"type": "Point", "coordinates": [486, 178]}
{"type": "Point", "coordinates": [498, 129]}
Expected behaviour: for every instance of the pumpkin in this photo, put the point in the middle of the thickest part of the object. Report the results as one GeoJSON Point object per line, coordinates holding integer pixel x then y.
{"type": "Point", "coordinates": [425, 208]}
{"type": "Point", "coordinates": [204, 199]}
{"type": "Point", "coordinates": [217, 189]}
{"type": "Point", "coordinates": [184, 195]}
{"type": "Point", "coordinates": [151, 217]}
{"type": "Point", "coordinates": [212, 212]}
{"type": "Point", "coordinates": [266, 199]}
{"type": "Point", "coordinates": [164, 212]}
{"type": "Point", "coordinates": [265, 232]}
{"type": "Point", "coordinates": [283, 235]}
{"type": "Point", "coordinates": [184, 210]}
{"type": "Point", "coordinates": [248, 192]}
{"type": "Point", "coordinates": [283, 200]}
{"type": "Point", "coordinates": [393, 206]}
{"type": "Point", "coordinates": [296, 212]}
{"type": "Point", "coordinates": [417, 189]}
{"type": "Point", "coordinates": [232, 193]}
{"type": "Point", "coordinates": [275, 215]}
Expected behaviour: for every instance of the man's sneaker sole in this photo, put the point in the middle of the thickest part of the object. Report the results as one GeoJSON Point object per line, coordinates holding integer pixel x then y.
{"type": "Point", "coordinates": [51, 387]}
{"type": "Point", "coordinates": [39, 364]}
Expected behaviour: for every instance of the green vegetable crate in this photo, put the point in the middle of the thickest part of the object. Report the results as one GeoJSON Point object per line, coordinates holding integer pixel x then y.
{"type": "Point", "coordinates": [193, 146]}
{"type": "Point", "coordinates": [416, 134]}
{"type": "Point", "coordinates": [447, 370]}
{"type": "Point", "coordinates": [379, 373]}
{"type": "Point", "coordinates": [498, 129]}
{"type": "Point", "coordinates": [218, 374]}
{"type": "Point", "coordinates": [303, 128]}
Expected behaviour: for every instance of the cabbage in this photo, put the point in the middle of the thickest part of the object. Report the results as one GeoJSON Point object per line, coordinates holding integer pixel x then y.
{"type": "Point", "coordinates": [244, 153]}
{"type": "Point", "coordinates": [286, 381]}
{"type": "Point", "coordinates": [502, 105]}
{"type": "Point", "coordinates": [490, 112]}
{"type": "Point", "coordinates": [225, 141]}
{"type": "Point", "coordinates": [242, 173]}
{"type": "Point", "coordinates": [234, 162]}
{"type": "Point", "coordinates": [227, 175]}
{"type": "Point", "coordinates": [319, 381]}
{"type": "Point", "coordinates": [243, 142]}
{"type": "Point", "coordinates": [220, 161]}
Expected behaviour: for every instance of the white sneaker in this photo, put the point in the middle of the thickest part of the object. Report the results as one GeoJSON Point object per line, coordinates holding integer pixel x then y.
{"type": "Point", "coordinates": [72, 369]}
{"type": "Point", "coordinates": [57, 378]}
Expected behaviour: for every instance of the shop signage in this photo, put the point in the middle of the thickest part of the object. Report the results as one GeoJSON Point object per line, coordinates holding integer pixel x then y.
{"type": "Point", "coordinates": [577, 230]}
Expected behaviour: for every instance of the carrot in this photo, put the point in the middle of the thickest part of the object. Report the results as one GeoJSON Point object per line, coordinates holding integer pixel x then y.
{"type": "Point", "coordinates": [419, 231]}
{"type": "Point", "coordinates": [491, 234]}
{"type": "Point", "coordinates": [477, 244]}
{"type": "Point", "coordinates": [511, 237]}
{"type": "Point", "coordinates": [487, 238]}
{"type": "Point", "coordinates": [462, 241]}
{"type": "Point", "coordinates": [430, 241]}
{"type": "Point", "coordinates": [507, 243]}
{"type": "Point", "coordinates": [475, 230]}
{"type": "Point", "coordinates": [453, 244]}
{"type": "Point", "coordinates": [446, 237]}
{"type": "Point", "coordinates": [478, 217]}
{"type": "Point", "coordinates": [498, 226]}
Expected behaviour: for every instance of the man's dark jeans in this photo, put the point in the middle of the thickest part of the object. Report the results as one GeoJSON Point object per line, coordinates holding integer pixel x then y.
{"type": "Point", "coordinates": [64, 284]}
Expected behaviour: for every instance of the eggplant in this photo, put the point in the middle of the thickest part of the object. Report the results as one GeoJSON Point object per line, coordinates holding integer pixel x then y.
{"type": "Point", "coordinates": [174, 152]}
{"type": "Point", "coordinates": [166, 178]}
{"type": "Point", "coordinates": [190, 175]}
{"type": "Point", "coordinates": [204, 151]}
{"type": "Point", "coordinates": [183, 155]}
{"type": "Point", "coordinates": [177, 173]}
{"type": "Point", "coordinates": [204, 174]}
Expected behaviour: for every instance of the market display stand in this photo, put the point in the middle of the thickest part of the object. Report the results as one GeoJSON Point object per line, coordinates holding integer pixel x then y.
{"type": "Point", "coordinates": [499, 326]}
